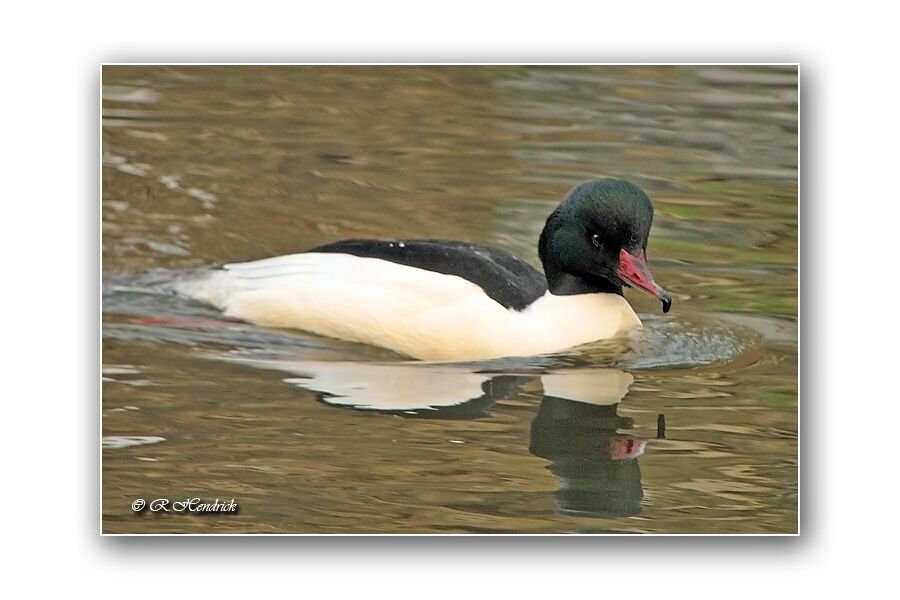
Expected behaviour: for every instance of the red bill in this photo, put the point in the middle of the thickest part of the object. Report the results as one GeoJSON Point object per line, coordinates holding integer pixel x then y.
{"type": "Point", "coordinates": [634, 271]}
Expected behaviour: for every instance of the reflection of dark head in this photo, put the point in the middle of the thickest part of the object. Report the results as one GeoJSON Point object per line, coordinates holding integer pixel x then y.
{"type": "Point", "coordinates": [598, 468]}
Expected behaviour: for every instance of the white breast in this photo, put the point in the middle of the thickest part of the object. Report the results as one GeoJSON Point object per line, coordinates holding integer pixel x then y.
{"type": "Point", "coordinates": [412, 311]}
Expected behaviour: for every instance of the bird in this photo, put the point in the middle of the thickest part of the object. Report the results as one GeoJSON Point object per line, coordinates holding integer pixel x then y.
{"type": "Point", "coordinates": [446, 300]}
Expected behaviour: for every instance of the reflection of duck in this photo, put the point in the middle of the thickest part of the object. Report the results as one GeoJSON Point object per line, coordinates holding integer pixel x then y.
{"type": "Point", "coordinates": [448, 300]}
{"type": "Point", "coordinates": [577, 433]}
{"type": "Point", "coordinates": [407, 389]}
{"type": "Point", "coordinates": [575, 428]}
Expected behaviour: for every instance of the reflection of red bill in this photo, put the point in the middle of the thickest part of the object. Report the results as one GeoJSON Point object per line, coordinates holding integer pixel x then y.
{"type": "Point", "coordinates": [621, 448]}
{"type": "Point", "coordinates": [184, 322]}
{"type": "Point", "coordinates": [634, 271]}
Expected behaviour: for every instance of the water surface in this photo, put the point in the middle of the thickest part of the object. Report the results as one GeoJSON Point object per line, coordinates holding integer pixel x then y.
{"type": "Point", "coordinates": [204, 165]}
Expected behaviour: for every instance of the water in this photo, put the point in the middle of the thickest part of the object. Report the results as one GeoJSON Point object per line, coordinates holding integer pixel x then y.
{"type": "Point", "coordinates": [204, 165]}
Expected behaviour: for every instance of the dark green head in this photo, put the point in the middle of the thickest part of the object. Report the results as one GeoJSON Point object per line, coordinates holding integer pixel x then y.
{"type": "Point", "coordinates": [596, 241]}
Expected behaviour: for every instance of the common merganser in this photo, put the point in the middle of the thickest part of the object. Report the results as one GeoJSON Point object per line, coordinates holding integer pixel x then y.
{"type": "Point", "coordinates": [445, 300]}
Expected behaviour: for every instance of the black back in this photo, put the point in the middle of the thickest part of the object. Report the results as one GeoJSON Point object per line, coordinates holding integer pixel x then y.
{"type": "Point", "coordinates": [504, 277]}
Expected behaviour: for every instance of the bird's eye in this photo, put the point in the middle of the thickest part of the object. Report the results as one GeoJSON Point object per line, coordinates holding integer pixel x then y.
{"type": "Point", "coordinates": [595, 239]}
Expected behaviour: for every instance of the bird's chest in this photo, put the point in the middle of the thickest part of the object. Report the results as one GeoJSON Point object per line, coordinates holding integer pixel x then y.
{"type": "Point", "coordinates": [477, 330]}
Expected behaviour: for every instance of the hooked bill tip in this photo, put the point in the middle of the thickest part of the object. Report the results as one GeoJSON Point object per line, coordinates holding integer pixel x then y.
{"type": "Point", "coordinates": [666, 303]}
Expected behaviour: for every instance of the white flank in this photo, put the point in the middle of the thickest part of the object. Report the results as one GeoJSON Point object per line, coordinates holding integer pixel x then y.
{"type": "Point", "coordinates": [419, 313]}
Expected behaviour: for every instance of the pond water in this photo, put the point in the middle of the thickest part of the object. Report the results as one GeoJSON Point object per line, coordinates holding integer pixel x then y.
{"type": "Point", "coordinates": [688, 426]}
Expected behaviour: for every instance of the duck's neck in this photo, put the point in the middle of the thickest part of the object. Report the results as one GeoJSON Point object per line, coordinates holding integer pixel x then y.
{"type": "Point", "coordinates": [566, 284]}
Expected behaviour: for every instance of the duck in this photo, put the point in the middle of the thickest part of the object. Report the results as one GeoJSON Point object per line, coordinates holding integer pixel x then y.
{"type": "Point", "coordinates": [447, 300]}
